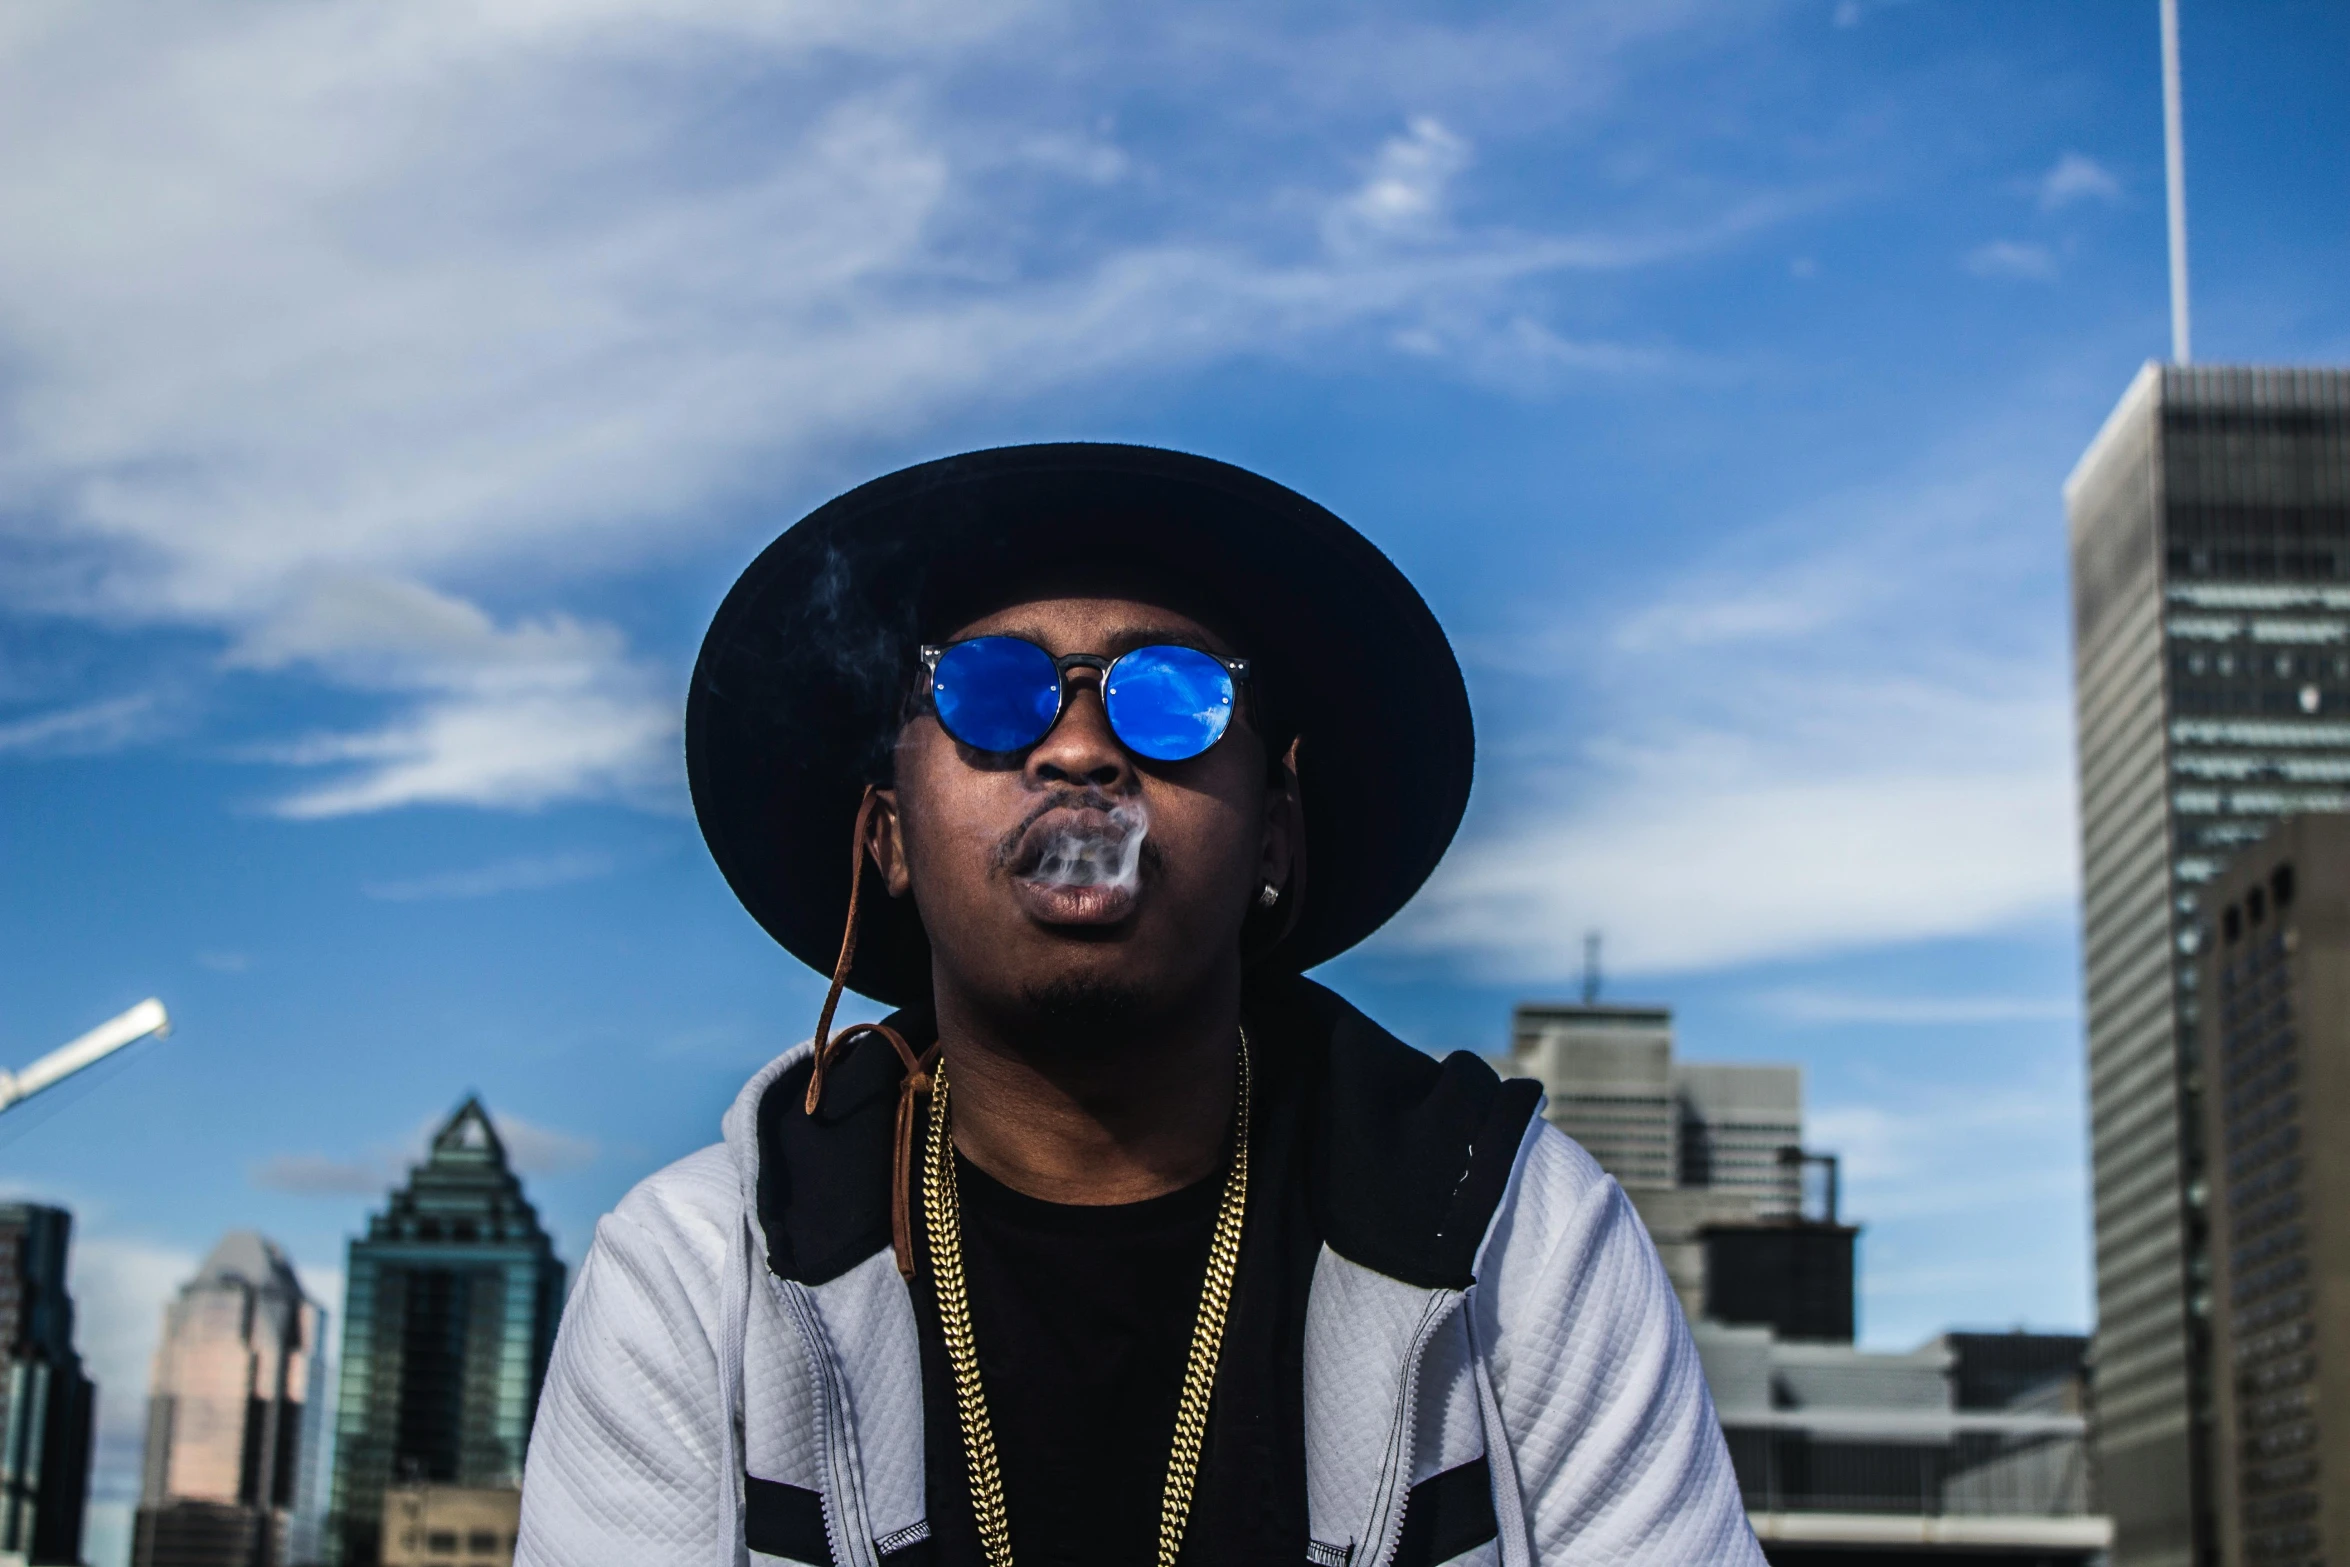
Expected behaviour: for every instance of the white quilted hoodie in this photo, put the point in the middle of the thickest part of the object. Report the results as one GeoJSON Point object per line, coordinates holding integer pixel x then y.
{"type": "Point", "coordinates": [707, 1404]}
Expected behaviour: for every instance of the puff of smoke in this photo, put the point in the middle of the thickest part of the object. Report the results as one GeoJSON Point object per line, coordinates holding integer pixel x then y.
{"type": "Point", "coordinates": [1102, 850]}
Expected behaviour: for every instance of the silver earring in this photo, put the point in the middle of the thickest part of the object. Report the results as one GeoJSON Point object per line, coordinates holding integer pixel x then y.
{"type": "Point", "coordinates": [1269, 896]}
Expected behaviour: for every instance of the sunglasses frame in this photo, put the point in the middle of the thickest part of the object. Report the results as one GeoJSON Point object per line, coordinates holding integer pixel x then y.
{"type": "Point", "coordinates": [1237, 668]}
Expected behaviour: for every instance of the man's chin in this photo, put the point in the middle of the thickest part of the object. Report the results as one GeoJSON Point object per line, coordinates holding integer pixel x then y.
{"type": "Point", "coordinates": [1086, 1011]}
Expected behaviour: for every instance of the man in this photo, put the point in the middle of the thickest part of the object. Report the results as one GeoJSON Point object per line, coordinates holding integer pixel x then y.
{"type": "Point", "coordinates": [1120, 1242]}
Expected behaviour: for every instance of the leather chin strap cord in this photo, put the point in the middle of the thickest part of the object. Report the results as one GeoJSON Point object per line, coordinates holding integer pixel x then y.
{"type": "Point", "coordinates": [830, 1047]}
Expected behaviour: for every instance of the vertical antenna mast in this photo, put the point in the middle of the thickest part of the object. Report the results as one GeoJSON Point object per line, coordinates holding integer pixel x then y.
{"type": "Point", "coordinates": [2174, 163]}
{"type": "Point", "coordinates": [1590, 967]}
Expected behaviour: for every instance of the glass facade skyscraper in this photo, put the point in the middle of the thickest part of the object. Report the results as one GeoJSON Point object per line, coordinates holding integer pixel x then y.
{"type": "Point", "coordinates": [46, 1403]}
{"type": "Point", "coordinates": [2210, 542]}
{"type": "Point", "coordinates": [235, 1388]}
{"type": "Point", "coordinates": [449, 1317]}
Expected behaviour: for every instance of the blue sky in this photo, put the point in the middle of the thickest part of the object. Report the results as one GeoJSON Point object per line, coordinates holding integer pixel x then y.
{"type": "Point", "coordinates": [387, 395]}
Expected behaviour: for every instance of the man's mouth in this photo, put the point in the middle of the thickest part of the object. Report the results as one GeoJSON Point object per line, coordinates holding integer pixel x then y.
{"type": "Point", "coordinates": [1079, 862]}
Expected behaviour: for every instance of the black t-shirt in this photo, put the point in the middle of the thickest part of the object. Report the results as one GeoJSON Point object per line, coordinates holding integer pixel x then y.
{"type": "Point", "coordinates": [1082, 1318]}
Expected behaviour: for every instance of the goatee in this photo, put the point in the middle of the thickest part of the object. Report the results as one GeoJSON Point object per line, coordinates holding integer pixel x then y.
{"type": "Point", "coordinates": [1084, 1015]}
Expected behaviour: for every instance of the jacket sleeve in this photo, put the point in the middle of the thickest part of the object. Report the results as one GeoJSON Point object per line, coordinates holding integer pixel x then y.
{"type": "Point", "coordinates": [633, 1459]}
{"type": "Point", "coordinates": [1618, 1454]}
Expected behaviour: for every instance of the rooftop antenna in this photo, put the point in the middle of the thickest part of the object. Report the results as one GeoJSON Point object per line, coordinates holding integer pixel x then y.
{"type": "Point", "coordinates": [1590, 967]}
{"type": "Point", "coordinates": [2174, 168]}
{"type": "Point", "coordinates": [148, 1017]}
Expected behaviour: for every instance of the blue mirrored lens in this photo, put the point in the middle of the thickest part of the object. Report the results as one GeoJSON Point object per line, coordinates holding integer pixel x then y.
{"type": "Point", "coordinates": [1168, 703]}
{"type": "Point", "coordinates": [996, 693]}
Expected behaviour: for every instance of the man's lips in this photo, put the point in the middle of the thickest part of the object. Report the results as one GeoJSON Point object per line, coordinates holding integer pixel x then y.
{"type": "Point", "coordinates": [1050, 903]}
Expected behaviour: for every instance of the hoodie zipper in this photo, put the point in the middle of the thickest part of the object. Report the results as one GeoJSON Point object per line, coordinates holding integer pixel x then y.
{"type": "Point", "coordinates": [1394, 1494]}
{"type": "Point", "coordinates": [845, 1505]}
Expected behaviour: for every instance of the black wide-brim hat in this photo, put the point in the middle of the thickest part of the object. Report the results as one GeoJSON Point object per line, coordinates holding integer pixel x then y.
{"type": "Point", "coordinates": [804, 678]}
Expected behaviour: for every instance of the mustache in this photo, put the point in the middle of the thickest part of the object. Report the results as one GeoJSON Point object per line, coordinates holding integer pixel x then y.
{"type": "Point", "coordinates": [1022, 849]}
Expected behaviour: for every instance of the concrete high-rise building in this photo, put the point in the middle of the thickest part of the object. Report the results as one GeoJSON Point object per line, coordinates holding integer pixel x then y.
{"type": "Point", "coordinates": [2210, 541]}
{"type": "Point", "coordinates": [1737, 1124]}
{"type": "Point", "coordinates": [2275, 1048]}
{"type": "Point", "coordinates": [229, 1409]}
{"type": "Point", "coordinates": [1650, 1120]}
{"type": "Point", "coordinates": [1609, 1074]}
{"type": "Point", "coordinates": [1695, 1145]}
{"type": "Point", "coordinates": [50, 1406]}
{"type": "Point", "coordinates": [448, 1320]}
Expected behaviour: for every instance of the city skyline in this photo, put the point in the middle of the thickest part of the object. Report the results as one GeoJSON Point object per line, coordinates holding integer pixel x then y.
{"type": "Point", "coordinates": [1713, 368]}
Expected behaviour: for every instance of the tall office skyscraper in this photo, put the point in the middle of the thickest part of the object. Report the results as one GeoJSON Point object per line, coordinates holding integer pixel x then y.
{"type": "Point", "coordinates": [228, 1410]}
{"type": "Point", "coordinates": [448, 1319]}
{"type": "Point", "coordinates": [2210, 538]}
{"type": "Point", "coordinates": [46, 1419]}
{"type": "Point", "coordinates": [2276, 993]}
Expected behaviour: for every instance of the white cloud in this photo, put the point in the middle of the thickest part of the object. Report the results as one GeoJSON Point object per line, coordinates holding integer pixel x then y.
{"type": "Point", "coordinates": [531, 1148]}
{"type": "Point", "coordinates": [507, 716]}
{"type": "Point", "coordinates": [356, 335]}
{"type": "Point", "coordinates": [2076, 177]}
{"type": "Point", "coordinates": [1798, 748]}
{"type": "Point", "coordinates": [2012, 258]}
{"type": "Point", "coordinates": [542, 1150]}
{"type": "Point", "coordinates": [1404, 196]}
{"type": "Point", "coordinates": [1707, 853]}
{"type": "Point", "coordinates": [530, 873]}
{"type": "Point", "coordinates": [119, 1291]}
{"type": "Point", "coordinates": [1955, 1150]}
{"type": "Point", "coordinates": [1802, 1005]}
{"type": "Point", "coordinates": [317, 1175]}
{"type": "Point", "coordinates": [93, 726]}
{"type": "Point", "coordinates": [325, 1286]}
{"type": "Point", "coordinates": [1710, 613]}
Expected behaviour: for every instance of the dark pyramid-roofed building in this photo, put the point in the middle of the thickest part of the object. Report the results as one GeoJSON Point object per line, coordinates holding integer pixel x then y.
{"type": "Point", "coordinates": [448, 1320]}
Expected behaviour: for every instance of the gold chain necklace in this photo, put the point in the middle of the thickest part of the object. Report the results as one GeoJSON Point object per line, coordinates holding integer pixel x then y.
{"type": "Point", "coordinates": [943, 1204]}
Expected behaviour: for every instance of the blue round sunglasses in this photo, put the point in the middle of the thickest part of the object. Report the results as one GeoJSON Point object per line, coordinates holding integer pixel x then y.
{"type": "Point", "coordinates": [1165, 702]}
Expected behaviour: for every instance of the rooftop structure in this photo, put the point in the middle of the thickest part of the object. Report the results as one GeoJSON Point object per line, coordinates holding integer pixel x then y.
{"type": "Point", "coordinates": [1848, 1456]}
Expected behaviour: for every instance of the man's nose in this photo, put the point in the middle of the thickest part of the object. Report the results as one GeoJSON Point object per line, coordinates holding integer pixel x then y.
{"type": "Point", "coordinates": [1081, 749]}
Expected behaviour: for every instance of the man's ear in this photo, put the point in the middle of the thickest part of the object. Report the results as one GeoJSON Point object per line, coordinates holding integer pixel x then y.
{"type": "Point", "coordinates": [885, 840]}
{"type": "Point", "coordinates": [1285, 821]}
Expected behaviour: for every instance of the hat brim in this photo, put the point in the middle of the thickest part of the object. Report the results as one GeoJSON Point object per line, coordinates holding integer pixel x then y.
{"type": "Point", "coordinates": [803, 678]}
